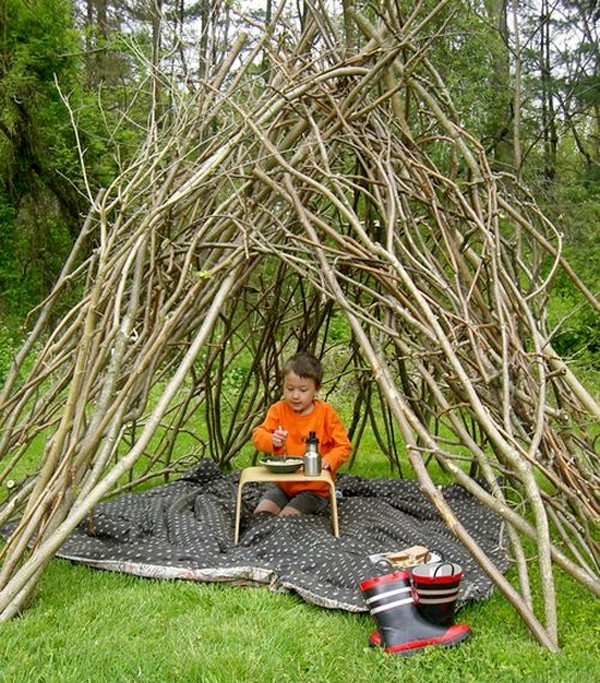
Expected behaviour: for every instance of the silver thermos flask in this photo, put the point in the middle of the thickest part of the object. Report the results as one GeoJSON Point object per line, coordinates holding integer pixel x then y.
{"type": "Point", "coordinates": [312, 457]}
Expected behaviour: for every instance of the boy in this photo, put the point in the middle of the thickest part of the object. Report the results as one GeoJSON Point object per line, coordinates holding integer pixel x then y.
{"type": "Point", "coordinates": [284, 431]}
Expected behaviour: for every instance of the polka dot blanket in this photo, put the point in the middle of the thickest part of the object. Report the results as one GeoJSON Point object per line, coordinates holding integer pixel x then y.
{"type": "Point", "coordinates": [185, 530]}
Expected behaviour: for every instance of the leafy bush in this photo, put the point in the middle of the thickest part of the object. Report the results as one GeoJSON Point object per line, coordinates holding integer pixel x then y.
{"type": "Point", "coordinates": [8, 349]}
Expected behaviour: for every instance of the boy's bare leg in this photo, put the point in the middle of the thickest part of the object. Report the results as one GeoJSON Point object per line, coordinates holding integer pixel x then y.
{"type": "Point", "coordinates": [288, 510]}
{"type": "Point", "coordinates": [267, 506]}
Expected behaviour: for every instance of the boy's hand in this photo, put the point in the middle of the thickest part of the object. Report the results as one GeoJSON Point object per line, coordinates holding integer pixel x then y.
{"type": "Point", "coordinates": [279, 437]}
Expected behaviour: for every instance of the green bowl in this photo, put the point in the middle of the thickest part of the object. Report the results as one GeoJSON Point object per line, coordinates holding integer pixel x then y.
{"type": "Point", "coordinates": [282, 465]}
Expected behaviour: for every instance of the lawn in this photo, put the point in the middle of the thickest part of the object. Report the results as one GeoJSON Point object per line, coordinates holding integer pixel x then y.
{"type": "Point", "coordinates": [89, 625]}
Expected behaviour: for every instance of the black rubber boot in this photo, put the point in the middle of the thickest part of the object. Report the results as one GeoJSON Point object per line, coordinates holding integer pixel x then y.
{"type": "Point", "coordinates": [436, 586]}
{"type": "Point", "coordinates": [401, 629]}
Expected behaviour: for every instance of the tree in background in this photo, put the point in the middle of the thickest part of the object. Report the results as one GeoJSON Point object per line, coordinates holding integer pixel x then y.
{"type": "Point", "coordinates": [561, 143]}
{"type": "Point", "coordinates": [68, 90]}
{"type": "Point", "coordinates": [41, 203]}
{"type": "Point", "coordinates": [524, 76]}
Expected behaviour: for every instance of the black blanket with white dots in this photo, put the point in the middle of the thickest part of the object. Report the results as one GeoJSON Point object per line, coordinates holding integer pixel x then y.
{"type": "Point", "coordinates": [185, 530]}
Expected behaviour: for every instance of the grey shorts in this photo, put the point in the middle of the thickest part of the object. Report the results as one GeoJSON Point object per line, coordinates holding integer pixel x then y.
{"type": "Point", "coordinates": [305, 502]}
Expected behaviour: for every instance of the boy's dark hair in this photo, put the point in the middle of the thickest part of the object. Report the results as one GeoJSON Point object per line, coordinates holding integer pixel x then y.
{"type": "Point", "coordinates": [304, 364]}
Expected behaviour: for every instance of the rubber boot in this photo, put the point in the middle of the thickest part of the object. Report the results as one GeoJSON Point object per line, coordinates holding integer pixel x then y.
{"type": "Point", "coordinates": [401, 629]}
{"type": "Point", "coordinates": [436, 586]}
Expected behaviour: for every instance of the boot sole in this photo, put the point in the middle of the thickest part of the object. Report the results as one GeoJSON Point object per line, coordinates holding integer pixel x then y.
{"type": "Point", "coordinates": [414, 646]}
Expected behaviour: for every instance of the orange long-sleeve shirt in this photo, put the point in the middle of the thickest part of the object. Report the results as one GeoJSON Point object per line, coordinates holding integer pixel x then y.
{"type": "Point", "coordinates": [334, 445]}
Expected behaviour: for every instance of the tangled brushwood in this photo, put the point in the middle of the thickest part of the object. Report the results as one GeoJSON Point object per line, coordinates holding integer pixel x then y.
{"type": "Point", "coordinates": [329, 200]}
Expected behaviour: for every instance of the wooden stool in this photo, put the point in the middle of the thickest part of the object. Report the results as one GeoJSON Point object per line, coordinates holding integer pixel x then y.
{"type": "Point", "coordinates": [262, 474]}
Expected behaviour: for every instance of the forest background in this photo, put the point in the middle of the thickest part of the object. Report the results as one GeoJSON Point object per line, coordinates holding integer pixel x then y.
{"type": "Point", "coordinates": [523, 75]}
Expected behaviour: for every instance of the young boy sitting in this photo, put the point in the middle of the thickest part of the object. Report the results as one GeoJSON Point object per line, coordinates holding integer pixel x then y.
{"type": "Point", "coordinates": [284, 432]}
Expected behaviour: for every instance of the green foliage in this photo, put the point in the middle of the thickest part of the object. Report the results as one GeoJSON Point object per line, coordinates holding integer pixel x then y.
{"type": "Point", "coordinates": [39, 207]}
{"type": "Point", "coordinates": [7, 222]}
{"type": "Point", "coordinates": [574, 207]}
{"type": "Point", "coordinates": [35, 246]}
{"type": "Point", "coordinates": [577, 336]}
{"type": "Point", "coordinates": [43, 195]}
{"type": "Point", "coordinates": [8, 349]}
{"type": "Point", "coordinates": [39, 49]}
{"type": "Point", "coordinates": [578, 333]}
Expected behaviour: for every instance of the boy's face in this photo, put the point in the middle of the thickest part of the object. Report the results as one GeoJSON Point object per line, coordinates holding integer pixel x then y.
{"type": "Point", "coordinates": [299, 392]}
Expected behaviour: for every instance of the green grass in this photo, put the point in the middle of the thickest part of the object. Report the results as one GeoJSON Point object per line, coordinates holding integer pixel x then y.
{"type": "Point", "coordinates": [88, 625]}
